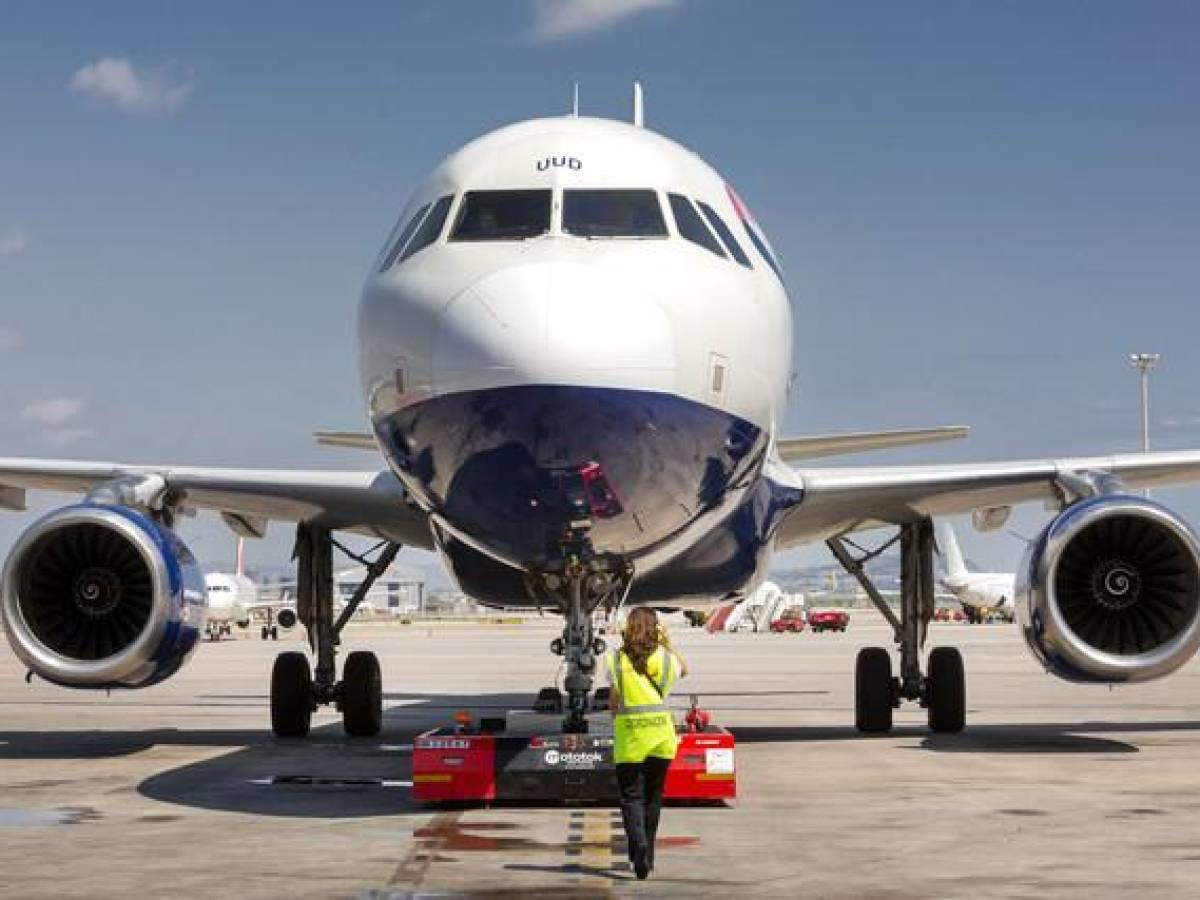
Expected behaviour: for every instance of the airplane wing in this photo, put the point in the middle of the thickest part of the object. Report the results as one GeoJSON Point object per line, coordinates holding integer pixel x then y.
{"type": "Point", "coordinates": [350, 440]}
{"type": "Point", "coordinates": [838, 500]}
{"type": "Point", "coordinates": [813, 446]}
{"type": "Point", "coordinates": [373, 503]}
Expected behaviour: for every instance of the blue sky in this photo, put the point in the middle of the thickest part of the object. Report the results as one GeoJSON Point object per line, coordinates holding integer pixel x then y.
{"type": "Point", "coordinates": [981, 208]}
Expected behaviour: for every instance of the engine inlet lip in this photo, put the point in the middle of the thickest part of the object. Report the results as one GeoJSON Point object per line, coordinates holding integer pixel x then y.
{"type": "Point", "coordinates": [1061, 639]}
{"type": "Point", "coordinates": [127, 665]}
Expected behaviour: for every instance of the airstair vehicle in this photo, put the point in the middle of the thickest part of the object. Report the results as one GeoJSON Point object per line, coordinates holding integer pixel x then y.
{"type": "Point", "coordinates": [760, 609]}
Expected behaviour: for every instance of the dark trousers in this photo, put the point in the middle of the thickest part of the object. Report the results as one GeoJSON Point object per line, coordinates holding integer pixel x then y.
{"type": "Point", "coordinates": [641, 802]}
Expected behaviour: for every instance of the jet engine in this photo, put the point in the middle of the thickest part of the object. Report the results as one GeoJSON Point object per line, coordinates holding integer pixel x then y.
{"type": "Point", "coordinates": [1110, 591]}
{"type": "Point", "coordinates": [100, 596]}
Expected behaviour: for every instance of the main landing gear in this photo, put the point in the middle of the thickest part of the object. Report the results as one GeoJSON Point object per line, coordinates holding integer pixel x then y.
{"type": "Point", "coordinates": [942, 688]}
{"type": "Point", "coordinates": [298, 689]}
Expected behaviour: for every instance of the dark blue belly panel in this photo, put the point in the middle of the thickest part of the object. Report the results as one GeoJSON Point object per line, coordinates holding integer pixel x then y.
{"type": "Point", "coordinates": [518, 468]}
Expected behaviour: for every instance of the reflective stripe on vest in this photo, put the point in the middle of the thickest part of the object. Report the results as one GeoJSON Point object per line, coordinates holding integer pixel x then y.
{"type": "Point", "coordinates": [618, 678]}
{"type": "Point", "coordinates": [665, 673]}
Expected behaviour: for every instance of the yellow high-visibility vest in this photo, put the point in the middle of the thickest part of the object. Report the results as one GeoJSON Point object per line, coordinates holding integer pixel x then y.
{"type": "Point", "coordinates": [642, 724]}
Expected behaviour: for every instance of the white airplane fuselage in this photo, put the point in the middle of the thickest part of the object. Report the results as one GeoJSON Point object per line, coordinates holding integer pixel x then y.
{"type": "Point", "coordinates": [230, 598]}
{"type": "Point", "coordinates": [624, 390]}
{"type": "Point", "coordinates": [984, 590]}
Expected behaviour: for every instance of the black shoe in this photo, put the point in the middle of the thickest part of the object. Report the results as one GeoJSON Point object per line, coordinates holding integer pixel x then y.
{"type": "Point", "coordinates": [641, 864]}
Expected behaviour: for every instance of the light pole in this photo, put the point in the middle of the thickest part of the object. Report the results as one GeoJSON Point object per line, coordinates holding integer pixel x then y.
{"type": "Point", "coordinates": [1144, 362]}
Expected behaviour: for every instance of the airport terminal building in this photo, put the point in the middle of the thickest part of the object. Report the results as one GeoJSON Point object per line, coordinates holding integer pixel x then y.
{"type": "Point", "coordinates": [398, 590]}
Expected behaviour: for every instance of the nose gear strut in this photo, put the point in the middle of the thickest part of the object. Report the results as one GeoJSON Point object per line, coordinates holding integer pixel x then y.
{"type": "Point", "coordinates": [580, 590]}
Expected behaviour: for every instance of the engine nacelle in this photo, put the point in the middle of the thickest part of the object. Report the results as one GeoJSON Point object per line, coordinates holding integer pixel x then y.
{"type": "Point", "coordinates": [1110, 591]}
{"type": "Point", "coordinates": [99, 596]}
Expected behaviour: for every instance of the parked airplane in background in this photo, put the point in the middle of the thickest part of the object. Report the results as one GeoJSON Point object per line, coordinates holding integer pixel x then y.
{"type": "Point", "coordinates": [575, 351]}
{"type": "Point", "coordinates": [231, 595]}
{"type": "Point", "coordinates": [977, 591]}
{"type": "Point", "coordinates": [235, 599]}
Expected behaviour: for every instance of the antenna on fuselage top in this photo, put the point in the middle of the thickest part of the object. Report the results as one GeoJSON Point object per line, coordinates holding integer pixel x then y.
{"type": "Point", "coordinates": [638, 117]}
{"type": "Point", "coordinates": [575, 102]}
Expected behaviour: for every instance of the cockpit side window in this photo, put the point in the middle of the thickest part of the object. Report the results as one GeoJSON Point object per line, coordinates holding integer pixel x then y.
{"type": "Point", "coordinates": [612, 214]}
{"type": "Point", "coordinates": [727, 238]}
{"type": "Point", "coordinates": [430, 229]}
{"type": "Point", "coordinates": [390, 259]}
{"type": "Point", "coordinates": [764, 251]}
{"type": "Point", "coordinates": [502, 215]}
{"type": "Point", "coordinates": [691, 226]}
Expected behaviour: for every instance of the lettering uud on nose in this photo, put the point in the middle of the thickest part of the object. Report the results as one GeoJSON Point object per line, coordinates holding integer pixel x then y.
{"type": "Point", "coordinates": [559, 162]}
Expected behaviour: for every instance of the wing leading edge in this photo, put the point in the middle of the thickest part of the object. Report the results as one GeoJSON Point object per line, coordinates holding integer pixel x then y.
{"type": "Point", "coordinates": [814, 446]}
{"type": "Point", "coordinates": [367, 502]}
{"type": "Point", "coordinates": [837, 500]}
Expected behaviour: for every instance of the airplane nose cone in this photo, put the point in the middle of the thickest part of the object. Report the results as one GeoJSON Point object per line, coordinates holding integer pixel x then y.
{"type": "Point", "coordinates": [553, 323]}
{"type": "Point", "coordinates": [554, 412]}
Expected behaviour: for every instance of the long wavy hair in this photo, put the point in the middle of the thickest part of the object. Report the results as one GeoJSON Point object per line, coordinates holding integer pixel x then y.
{"type": "Point", "coordinates": [641, 636]}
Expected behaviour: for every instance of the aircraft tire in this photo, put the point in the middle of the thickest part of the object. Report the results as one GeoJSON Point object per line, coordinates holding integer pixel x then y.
{"type": "Point", "coordinates": [362, 695]}
{"type": "Point", "coordinates": [947, 691]}
{"type": "Point", "coordinates": [291, 695]}
{"type": "Point", "coordinates": [873, 691]}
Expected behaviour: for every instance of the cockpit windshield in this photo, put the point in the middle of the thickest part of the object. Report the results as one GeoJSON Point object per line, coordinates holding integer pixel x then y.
{"type": "Point", "coordinates": [613, 213]}
{"type": "Point", "coordinates": [502, 215]}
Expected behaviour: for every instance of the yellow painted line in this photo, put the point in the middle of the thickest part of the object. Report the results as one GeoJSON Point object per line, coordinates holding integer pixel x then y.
{"type": "Point", "coordinates": [596, 849]}
{"type": "Point", "coordinates": [432, 778]}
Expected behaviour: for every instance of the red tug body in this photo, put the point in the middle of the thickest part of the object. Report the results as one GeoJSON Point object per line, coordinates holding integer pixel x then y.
{"type": "Point", "coordinates": [525, 758]}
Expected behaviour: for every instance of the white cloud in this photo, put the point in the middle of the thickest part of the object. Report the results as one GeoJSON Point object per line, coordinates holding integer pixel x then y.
{"type": "Point", "coordinates": [13, 242]}
{"type": "Point", "coordinates": [555, 20]}
{"type": "Point", "coordinates": [55, 411]}
{"type": "Point", "coordinates": [131, 89]}
{"type": "Point", "coordinates": [10, 339]}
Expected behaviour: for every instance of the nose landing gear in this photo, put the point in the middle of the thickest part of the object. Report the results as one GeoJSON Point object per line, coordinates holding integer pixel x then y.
{"type": "Point", "coordinates": [580, 591]}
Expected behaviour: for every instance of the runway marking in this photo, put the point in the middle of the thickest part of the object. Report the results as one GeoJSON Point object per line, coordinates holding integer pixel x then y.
{"type": "Point", "coordinates": [589, 850]}
{"type": "Point", "coordinates": [426, 844]}
{"type": "Point", "coordinates": [318, 781]}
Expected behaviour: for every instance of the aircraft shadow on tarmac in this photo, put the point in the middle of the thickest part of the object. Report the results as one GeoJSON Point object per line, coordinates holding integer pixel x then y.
{"type": "Point", "coordinates": [327, 775]}
{"type": "Point", "coordinates": [331, 776]}
{"type": "Point", "coordinates": [1032, 738]}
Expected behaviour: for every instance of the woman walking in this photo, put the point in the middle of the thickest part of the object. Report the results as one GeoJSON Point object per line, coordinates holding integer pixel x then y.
{"type": "Point", "coordinates": [641, 675]}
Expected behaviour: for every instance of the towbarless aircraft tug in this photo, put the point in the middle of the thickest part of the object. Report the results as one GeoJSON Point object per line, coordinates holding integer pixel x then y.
{"type": "Point", "coordinates": [576, 350]}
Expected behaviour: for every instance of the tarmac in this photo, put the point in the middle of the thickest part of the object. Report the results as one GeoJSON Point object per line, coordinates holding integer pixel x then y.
{"type": "Point", "coordinates": [1054, 790]}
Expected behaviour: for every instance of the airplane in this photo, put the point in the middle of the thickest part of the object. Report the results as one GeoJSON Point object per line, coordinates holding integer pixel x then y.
{"type": "Point", "coordinates": [976, 591]}
{"type": "Point", "coordinates": [230, 596]}
{"type": "Point", "coordinates": [575, 349]}
{"type": "Point", "coordinates": [234, 599]}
